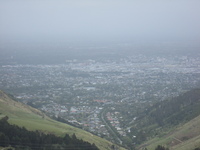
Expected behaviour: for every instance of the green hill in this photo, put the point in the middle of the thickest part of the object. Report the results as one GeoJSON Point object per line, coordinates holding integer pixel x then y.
{"type": "Point", "coordinates": [174, 123]}
{"type": "Point", "coordinates": [33, 119]}
{"type": "Point", "coordinates": [182, 137]}
{"type": "Point", "coordinates": [20, 138]}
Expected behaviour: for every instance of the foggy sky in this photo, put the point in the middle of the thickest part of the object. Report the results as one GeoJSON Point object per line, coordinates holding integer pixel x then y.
{"type": "Point", "coordinates": [99, 19]}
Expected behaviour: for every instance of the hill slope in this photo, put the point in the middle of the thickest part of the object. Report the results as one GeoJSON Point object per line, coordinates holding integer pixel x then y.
{"type": "Point", "coordinates": [33, 119]}
{"type": "Point", "coordinates": [183, 137]}
{"type": "Point", "coordinates": [174, 123]}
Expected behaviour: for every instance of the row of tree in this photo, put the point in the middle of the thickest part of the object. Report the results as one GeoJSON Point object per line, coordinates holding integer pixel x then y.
{"type": "Point", "coordinates": [20, 138]}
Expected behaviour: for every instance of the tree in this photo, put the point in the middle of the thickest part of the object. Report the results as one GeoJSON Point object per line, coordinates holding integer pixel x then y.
{"type": "Point", "coordinates": [4, 140]}
{"type": "Point", "coordinates": [12, 135]}
{"type": "Point", "coordinates": [159, 147]}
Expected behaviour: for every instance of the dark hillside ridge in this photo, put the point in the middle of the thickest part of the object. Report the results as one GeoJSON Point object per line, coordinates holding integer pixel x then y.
{"type": "Point", "coordinates": [166, 114]}
{"type": "Point", "coordinates": [182, 108]}
{"type": "Point", "coordinates": [23, 117]}
{"type": "Point", "coordinates": [20, 138]}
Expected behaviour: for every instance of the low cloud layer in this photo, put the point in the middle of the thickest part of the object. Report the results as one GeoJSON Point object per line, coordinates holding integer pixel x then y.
{"type": "Point", "coordinates": [99, 19]}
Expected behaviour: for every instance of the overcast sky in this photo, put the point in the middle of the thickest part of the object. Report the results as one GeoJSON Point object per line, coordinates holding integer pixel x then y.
{"type": "Point", "coordinates": [99, 19]}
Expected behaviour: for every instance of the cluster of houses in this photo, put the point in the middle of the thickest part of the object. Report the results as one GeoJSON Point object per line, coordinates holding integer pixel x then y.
{"type": "Point", "coordinates": [78, 91]}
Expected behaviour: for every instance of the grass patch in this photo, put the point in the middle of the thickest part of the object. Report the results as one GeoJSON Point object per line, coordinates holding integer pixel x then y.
{"type": "Point", "coordinates": [183, 137]}
{"type": "Point", "coordinates": [32, 119]}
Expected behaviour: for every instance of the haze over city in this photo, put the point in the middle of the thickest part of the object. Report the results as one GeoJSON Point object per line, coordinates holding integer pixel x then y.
{"type": "Point", "coordinates": [122, 71]}
{"type": "Point", "coordinates": [43, 26]}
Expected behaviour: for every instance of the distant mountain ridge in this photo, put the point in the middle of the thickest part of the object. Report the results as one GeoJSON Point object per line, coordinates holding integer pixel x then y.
{"type": "Point", "coordinates": [32, 119]}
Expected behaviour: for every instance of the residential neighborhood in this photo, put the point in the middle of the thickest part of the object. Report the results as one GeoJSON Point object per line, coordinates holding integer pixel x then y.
{"type": "Point", "coordinates": [95, 94]}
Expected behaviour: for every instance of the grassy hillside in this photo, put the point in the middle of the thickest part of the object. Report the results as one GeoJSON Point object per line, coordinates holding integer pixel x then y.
{"type": "Point", "coordinates": [174, 123]}
{"type": "Point", "coordinates": [33, 119]}
{"type": "Point", "coordinates": [183, 137]}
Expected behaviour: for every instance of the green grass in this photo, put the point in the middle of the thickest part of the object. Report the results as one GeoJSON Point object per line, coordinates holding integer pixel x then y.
{"type": "Point", "coordinates": [32, 119]}
{"type": "Point", "coordinates": [183, 137]}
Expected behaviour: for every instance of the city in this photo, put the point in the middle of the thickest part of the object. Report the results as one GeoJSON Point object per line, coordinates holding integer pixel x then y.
{"type": "Point", "coordinates": [98, 95]}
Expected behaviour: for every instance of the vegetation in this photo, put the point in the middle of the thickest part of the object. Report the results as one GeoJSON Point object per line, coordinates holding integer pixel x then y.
{"type": "Point", "coordinates": [21, 138]}
{"type": "Point", "coordinates": [34, 120]}
{"type": "Point", "coordinates": [173, 123]}
{"type": "Point", "coordinates": [164, 115]}
{"type": "Point", "coordinates": [173, 129]}
{"type": "Point", "coordinates": [159, 147]}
